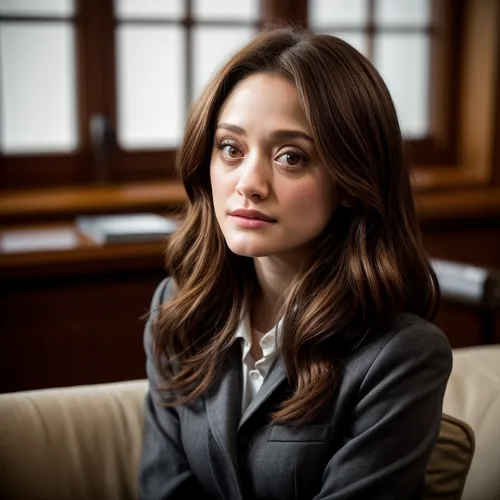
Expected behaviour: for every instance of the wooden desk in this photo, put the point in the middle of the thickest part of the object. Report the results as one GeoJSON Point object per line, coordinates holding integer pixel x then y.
{"type": "Point", "coordinates": [72, 311]}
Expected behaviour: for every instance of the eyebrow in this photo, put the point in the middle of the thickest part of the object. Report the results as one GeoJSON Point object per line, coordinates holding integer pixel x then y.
{"type": "Point", "coordinates": [275, 134]}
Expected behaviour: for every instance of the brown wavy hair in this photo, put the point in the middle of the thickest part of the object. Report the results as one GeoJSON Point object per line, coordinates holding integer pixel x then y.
{"type": "Point", "coordinates": [367, 266]}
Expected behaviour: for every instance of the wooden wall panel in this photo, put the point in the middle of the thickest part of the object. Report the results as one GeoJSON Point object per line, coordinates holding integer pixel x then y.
{"type": "Point", "coordinates": [73, 331]}
{"type": "Point", "coordinates": [475, 242]}
{"type": "Point", "coordinates": [75, 317]}
{"type": "Point", "coordinates": [468, 241]}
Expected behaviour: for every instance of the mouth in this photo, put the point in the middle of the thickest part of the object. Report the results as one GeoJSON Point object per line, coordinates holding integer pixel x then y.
{"type": "Point", "coordinates": [252, 215]}
{"type": "Point", "coordinates": [251, 219]}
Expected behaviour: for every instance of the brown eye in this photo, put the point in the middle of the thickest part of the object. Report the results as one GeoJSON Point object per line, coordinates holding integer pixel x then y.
{"type": "Point", "coordinates": [231, 152]}
{"type": "Point", "coordinates": [291, 159]}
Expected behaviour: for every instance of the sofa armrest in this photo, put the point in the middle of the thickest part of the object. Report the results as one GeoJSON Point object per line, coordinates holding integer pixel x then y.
{"type": "Point", "coordinates": [78, 442]}
{"type": "Point", "coordinates": [473, 395]}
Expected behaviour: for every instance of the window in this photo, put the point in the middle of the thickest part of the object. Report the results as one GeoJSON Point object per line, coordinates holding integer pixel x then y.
{"type": "Point", "coordinates": [409, 43]}
{"type": "Point", "coordinates": [97, 92]}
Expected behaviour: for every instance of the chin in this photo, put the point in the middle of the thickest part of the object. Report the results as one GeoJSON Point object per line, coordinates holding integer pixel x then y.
{"type": "Point", "coordinates": [250, 249]}
{"type": "Point", "coordinates": [249, 252]}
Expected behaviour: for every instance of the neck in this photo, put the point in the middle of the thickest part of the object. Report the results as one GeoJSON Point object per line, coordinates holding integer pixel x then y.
{"type": "Point", "coordinates": [274, 276]}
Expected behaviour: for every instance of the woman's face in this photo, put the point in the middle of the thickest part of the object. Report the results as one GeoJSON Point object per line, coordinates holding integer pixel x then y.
{"type": "Point", "coordinates": [271, 193]}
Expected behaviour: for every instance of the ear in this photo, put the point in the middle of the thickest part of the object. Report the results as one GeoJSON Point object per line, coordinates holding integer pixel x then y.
{"type": "Point", "coordinates": [348, 203]}
{"type": "Point", "coordinates": [346, 200]}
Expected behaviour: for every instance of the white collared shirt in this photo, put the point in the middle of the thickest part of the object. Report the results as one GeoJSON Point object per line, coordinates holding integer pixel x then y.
{"type": "Point", "coordinates": [254, 373]}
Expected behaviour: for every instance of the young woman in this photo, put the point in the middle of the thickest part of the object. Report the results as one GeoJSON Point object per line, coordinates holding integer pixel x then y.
{"type": "Point", "coordinates": [289, 352]}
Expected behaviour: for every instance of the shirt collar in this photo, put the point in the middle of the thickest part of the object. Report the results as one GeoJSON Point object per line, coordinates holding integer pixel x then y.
{"type": "Point", "coordinates": [244, 330]}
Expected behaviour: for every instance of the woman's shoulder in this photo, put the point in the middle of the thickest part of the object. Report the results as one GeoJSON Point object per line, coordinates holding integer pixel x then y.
{"type": "Point", "coordinates": [163, 292]}
{"type": "Point", "coordinates": [410, 342]}
{"type": "Point", "coordinates": [408, 329]}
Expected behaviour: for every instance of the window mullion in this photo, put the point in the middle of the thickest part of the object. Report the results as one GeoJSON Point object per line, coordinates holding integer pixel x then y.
{"type": "Point", "coordinates": [279, 12]}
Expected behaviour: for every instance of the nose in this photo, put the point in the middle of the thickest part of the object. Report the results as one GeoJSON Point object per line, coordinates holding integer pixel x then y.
{"type": "Point", "coordinates": [253, 181]}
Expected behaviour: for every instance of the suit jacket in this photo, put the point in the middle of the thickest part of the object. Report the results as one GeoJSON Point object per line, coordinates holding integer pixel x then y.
{"type": "Point", "coordinates": [372, 442]}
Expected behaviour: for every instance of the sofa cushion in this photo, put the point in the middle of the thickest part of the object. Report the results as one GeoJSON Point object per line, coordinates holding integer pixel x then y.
{"type": "Point", "coordinates": [72, 443]}
{"type": "Point", "coordinates": [450, 461]}
{"type": "Point", "coordinates": [473, 395]}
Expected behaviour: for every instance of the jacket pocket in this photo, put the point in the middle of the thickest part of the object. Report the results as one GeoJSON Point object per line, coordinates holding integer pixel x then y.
{"type": "Point", "coordinates": [314, 433]}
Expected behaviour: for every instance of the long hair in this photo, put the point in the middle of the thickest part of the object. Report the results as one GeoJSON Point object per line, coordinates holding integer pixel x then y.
{"type": "Point", "coordinates": [367, 266]}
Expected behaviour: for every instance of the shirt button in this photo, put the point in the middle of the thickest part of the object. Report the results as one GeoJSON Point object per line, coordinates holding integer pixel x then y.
{"type": "Point", "coordinates": [254, 375]}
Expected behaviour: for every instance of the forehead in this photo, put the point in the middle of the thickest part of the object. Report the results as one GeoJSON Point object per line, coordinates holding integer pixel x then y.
{"type": "Point", "coordinates": [263, 98]}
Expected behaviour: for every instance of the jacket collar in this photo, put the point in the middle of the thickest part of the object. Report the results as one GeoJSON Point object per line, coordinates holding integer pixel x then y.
{"type": "Point", "coordinates": [223, 406]}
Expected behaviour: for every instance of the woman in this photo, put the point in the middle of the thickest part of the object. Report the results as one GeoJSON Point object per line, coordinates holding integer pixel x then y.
{"type": "Point", "coordinates": [289, 354]}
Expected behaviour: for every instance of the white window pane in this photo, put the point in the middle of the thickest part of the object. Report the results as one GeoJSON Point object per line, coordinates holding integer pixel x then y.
{"type": "Point", "coordinates": [212, 48]}
{"type": "Point", "coordinates": [337, 13]}
{"type": "Point", "coordinates": [37, 65]}
{"type": "Point", "coordinates": [241, 10]}
{"type": "Point", "coordinates": [406, 12]}
{"type": "Point", "coordinates": [356, 39]}
{"type": "Point", "coordinates": [403, 62]}
{"type": "Point", "coordinates": [150, 9]}
{"type": "Point", "coordinates": [150, 78]}
{"type": "Point", "coordinates": [38, 7]}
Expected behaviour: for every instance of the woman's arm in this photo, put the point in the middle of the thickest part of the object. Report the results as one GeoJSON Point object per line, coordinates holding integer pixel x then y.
{"type": "Point", "coordinates": [164, 471]}
{"type": "Point", "coordinates": [395, 422]}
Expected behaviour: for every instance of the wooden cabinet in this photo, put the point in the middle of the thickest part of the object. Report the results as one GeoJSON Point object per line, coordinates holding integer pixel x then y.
{"type": "Point", "coordinates": [75, 315]}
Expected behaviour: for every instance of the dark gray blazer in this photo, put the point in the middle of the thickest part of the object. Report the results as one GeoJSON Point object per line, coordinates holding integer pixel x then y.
{"type": "Point", "coordinates": [372, 442]}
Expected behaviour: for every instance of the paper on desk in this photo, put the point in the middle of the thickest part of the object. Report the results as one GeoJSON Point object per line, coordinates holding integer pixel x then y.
{"type": "Point", "coordinates": [33, 240]}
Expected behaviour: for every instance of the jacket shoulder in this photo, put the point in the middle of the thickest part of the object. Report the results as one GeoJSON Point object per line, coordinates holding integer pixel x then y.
{"type": "Point", "coordinates": [410, 341]}
{"type": "Point", "coordinates": [164, 291]}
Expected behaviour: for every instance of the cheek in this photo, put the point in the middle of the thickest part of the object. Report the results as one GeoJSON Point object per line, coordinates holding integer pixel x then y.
{"type": "Point", "coordinates": [311, 202]}
{"type": "Point", "coordinates": [220, 177]}
{"type": "Point", "coordinates": [221, 186]}
{"type": "Point", "coordinates": [216, 185]}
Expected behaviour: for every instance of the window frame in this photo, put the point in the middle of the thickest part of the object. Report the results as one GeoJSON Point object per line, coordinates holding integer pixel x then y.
{"type": "Point", "coordinates": [95, 54]}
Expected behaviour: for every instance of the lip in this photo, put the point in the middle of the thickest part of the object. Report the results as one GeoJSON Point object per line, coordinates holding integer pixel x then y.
{"type": "Point", "coordinates": [251, 214]}
{"type": "Point", "coordinates": [251, 219]}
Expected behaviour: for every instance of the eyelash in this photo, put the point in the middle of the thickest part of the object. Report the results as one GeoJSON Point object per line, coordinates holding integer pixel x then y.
{"type": "Point", "coordinates": [303, 158]}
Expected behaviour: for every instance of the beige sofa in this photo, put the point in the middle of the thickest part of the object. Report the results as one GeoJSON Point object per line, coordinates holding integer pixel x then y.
{"type": "Point", "coordinates": [84, 442]}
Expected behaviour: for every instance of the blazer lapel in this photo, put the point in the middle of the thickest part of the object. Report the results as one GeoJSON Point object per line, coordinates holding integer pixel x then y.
{"type": "Point", "coordinates": [274, 378]}
{"type": "Point", "coordinates": [223, 406]}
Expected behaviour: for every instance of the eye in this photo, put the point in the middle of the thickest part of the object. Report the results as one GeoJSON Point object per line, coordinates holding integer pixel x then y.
{"type": "Point", "coordinates": [231, 152]}
{"type": "Point", "coordinates": [291, 159]}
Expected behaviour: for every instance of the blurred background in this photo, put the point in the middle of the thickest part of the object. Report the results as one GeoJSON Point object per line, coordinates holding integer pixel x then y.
{"type": "Point", "coordinates": [93, 101]}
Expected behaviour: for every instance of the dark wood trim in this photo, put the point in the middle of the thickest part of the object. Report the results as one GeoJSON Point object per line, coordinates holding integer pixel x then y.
{"type": "Point", "coordinates": [83, 258]}
{"type": "Point", "coordinates": [19, 172]}
{"type": "Point", "coordinates": [124, 165]}
{"type": "Point", "coordinates": [108, 106]}
{"type": "Point", "coordinates": [134, 166]}
{"type": "Point", "coordinates": [459, 205]}
{"type": "Point", "coordinates": [84, 90]}
{"type": "Point", "coordinates": [495, 177]}
{"type": "Point", "coordinates": [29, 206]}
{"type": "Point", "coordinates": [370, 30]}
{"type": "Point", "coordinates": [277, 13]}
{"type": "Point", "coordinates": [444, 70]}
{"type": "Point", "coordinates": [189, 60]}
{"type": "Point", "coordinates": [429, 151]}
{"type": "Point", "coordinates": [96, 70]}
{"type": "Point", "coordinates": [463, 201]}
{"type": "Point", "coordinates": [59, 169]}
